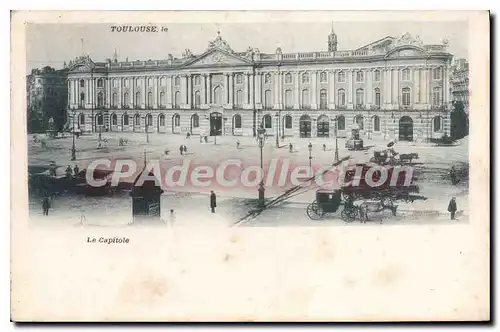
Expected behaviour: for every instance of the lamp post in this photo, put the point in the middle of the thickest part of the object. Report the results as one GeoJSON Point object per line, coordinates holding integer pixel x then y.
{"type": "Point", "coordinates": [101, 117]}
{"type": "Point", "coordinates": [261, 137]}
{"type": "Point", "coordinates": [277, 130]}
{"type": "Point", "coordinates": [336, 139]}
{"type": "Point", "coordinates": [73, 149]}
{"type": "Point", "coordinates": [310, 147]}
{"type": "Point", "coordinates": [146, 125]}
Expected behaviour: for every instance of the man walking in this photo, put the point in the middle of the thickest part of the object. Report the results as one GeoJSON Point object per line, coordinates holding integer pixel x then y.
{"type": "Point", "coordinates": [452, 208]}
{"type": "Point", "coordinates": [46, 205]}
{"type": "Point", "coordinates": [76, 171]}
{"type": "Point", "coordinates": [213, 201]}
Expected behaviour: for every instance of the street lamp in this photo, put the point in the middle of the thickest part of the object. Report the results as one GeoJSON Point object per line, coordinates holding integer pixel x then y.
{"type": "Point", "coordinates": [310, 147]}
{"type": "Point", "coordinates": [336, 139]}
{"type": "Point", "coordinates": [277, 130]}
{"type": "Point", "coordinates": [146, 125]}
{"type": "Point", "coordinates": [261, 137]}
{"type": "Point", "coordinates": [73, 149]}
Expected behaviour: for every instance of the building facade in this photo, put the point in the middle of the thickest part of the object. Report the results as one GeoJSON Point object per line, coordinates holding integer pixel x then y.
{"type": "Point", "coordinates": [46, 98]}
{"type": "Point", "coordinates": [460, 82]}
{"type": "Point", "coordinates": [393, 88]}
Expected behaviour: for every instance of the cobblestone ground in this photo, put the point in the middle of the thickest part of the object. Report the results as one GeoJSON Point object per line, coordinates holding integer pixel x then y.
{"type": "Point", "coordinates": [193, 208]}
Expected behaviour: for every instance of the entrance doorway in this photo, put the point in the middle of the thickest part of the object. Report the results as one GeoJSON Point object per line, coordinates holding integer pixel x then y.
{"type": "Point", "coordinates": [405, 129]}
{"type": "Point", "coordinates": [323, 126]}
{"type": "Point", "coordinates": [215, 124]}
{"type": "Point", "coordinates": [305, 126]}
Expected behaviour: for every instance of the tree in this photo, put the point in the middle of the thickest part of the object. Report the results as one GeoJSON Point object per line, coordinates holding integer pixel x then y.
{"type": "Point", "coordinates": [459, 121]}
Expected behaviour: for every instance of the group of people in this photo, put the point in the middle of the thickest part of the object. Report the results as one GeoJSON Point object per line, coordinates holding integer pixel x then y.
{"type": "Point", "coordinates": [70, 173]}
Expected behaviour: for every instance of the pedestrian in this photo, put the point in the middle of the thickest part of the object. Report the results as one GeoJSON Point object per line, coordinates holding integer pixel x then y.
{"type": "Point", "coordinates": [172, 216]}
{"type": "Point", "coordinates": [324, 147]}
{"type": "Point", "coordinates": [290, 147]}
{"type": "Point", "coordinates": [188, 135]}
{"type": "Point", "coordinates": [46, 205]}
{"type": "Point", "coordinates": [185, 149]}
{"type": "Point", "coordinates": [453, 175]}
{"type": "Point", "coordinates": [238, 144]}
{"type": "Point", "coordinates": [452, 208]}
{"type": "Point", "coordinates": [76, 171]}
{"type": "Point", "coordinates": [213, 201]}
{"type": "Point", "coordinates": [206, 139]}
{"type": "Point", "coordinates": [201, 139]}
{"type": "Point", "coordinates": [69, 172]}
{"type": "Point", "coordinates": [181, 149]}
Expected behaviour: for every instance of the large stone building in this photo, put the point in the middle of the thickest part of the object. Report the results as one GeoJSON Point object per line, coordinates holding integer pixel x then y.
{"type": "Point", "coordinates": [460, 82]}
{"type": "Point", "coordinates": [393, 88]}
{"type": "Point", "coordinates": [46, 98]}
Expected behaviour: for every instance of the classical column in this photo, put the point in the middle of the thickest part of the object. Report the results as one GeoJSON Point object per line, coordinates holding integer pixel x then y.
{"type": "Point", "coordinates": [280, 90]}
{"type": "Point", "coordinates": [369, 87]}
{"type": "Point", "coordinates": [209, 89]}
{"type": "Point", "coordinates": [331, 94]}
{"type": "Point", "coordinates": [348, 89]}
{"type": "Point", "coordinates": [252, 89]}
{"type": "Point", "coordinates": [296, 101]}
{"type": "Point", "coordinates": [189, 90]}
{"type": "Point", "coordinates": [204, 89]}
{"type": "Point", "coordinates": [246, 89]}
{"type": "Point", "coordinates": [231, 89]}
{"type": "Point", "coordinates": [416, 79]}
{"type": "Point", "coordinates": [169, 92]}
{"type": "Point", "coordinates": [445, 85]}
{"type": "Point", "coordinates": [120, 97]}
{"type": "Point", "coordinates": [389, 86]}
{"type": "Point", "coordinates": [144, 92]}
{"type": "Point", "coordinates": [156, 97]}
{"type": "Point", "coordinates": [258, 89]}
{"type": "Point", "coordinates": [314, 88]}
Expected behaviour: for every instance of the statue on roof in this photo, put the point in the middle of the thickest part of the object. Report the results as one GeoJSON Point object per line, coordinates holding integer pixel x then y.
{"type": "Point", "coordinates": [187, 53]}
{"type": "Point", "coordinates": [219, 43]}
{"type": "Point", "coordinates": [407, 39]}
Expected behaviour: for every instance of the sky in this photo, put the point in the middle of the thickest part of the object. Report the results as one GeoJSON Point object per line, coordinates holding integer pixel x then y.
{"type": "Point", "coordinates": [52, 44]}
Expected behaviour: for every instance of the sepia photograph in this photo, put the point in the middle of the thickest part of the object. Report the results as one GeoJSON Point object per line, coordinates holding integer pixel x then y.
{"type": "Point", "coordinates": [164, 126]}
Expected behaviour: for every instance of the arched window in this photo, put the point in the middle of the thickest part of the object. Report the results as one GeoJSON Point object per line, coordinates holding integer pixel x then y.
{"type": "Point", "coordinates": [341, 77]}
{"type": "Point", "coordinates": [195, 121]}
{"type": "Point", "coordinates": [239, 98]}
{"type": "Point", "coordinates": [288, 99]}
{"type": "Point", "coordinates": [163, 81]}
{"type": "Point", "coordinates": [218, 95]}
{"type": "Point", "coordinates": [137, 120]}
{"type": "Point", "coordinates": [114, 99]}
{"type": "Point", "coordinates": [100, 119]}
{"type": "Point", "coordinates": [177, 120]}
{"type": "Point", "coordinates": [305, 99]}
{"type": "Point", "coordinates": [162, 99]}
{"type": "Point", "coordinates": [137, 99]}
{"type": "Point", "coordinates": [177, 81]}
{"type": "Point", "coordinates": [377, 97]}
{"type": "Point", "coordinates": [405, 74]}
{"type": "Point", "coordinates": [341, 122]}
{"type": "Point", "coordinates": [377, 75]}
{"type": "Point", "coordinates": [114, 120]}
{"type": "Point", "coordinates": [150, 81]}
{"type": "Point", "coordinates": [100, 83]}
{"type": "Point", "coordinates": [149, 120]}
{"type": "Point", "coordinates": [267, 79]}
{"type": "Point", "coordinates": [162, 120]}
{"type": "Point", "coordinates": [436, 123]}
{"type": "Point", "coordinates": [406, 96]}
{"type": "Point", "coordinates": [197, 99]}
{"type": "Point", "coordinates": [322, 77]}
{"type": "Point", "coordinates": [268, 121]}
{"type": "Point", "coordinates": [305, 78]}
{"type": "Point", "coordinates": [82, 83]}
{"type": "Point", "coordinates": [81, 119]}
{"type": "Point", "coordinates": [288, 78]}
{"type": "Point", "coordinates": [125, 119]}
{"type": "Point", "coordinates": [126, 83]}
{"type": "Point", "coordinates": [288, 122]}
{"type": "Point", "coordinates": [177, 99]}
{"type": "Point", "coordinates": [239, 79]}
{"type": "Point", "coordinates": [82, 100]}
{"type": "Point", "coordinates": [360, 97]}
{"type": "Point", "coordinates": [436, 96]}
{"type": "Point", "coordinates": [268, 99]}
{"type": "Point", "coordinates": [376, 123]}
{"type": "Point", "coordinates": [150, 99]}
{"type": "Point", "coordinates": [323, 99]}
{"type": "Point", "coordinates": [126, 99]}
{"type": "Point", "coordinates": [237, 121]}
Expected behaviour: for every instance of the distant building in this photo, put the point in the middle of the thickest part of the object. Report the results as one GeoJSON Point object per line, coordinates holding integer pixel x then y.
{"type": "Point", "coordinates": [393, 88]}
{"type": "Point", "coordinates": [47, 97]}
{"type": "Point", "coordinates": [460, 82]}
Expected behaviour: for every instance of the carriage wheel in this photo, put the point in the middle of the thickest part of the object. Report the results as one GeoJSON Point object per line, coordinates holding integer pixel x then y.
{"type": "Point", "coordinates": [314, 211]}
{"type": "Point", "coordinates": [348, 215]}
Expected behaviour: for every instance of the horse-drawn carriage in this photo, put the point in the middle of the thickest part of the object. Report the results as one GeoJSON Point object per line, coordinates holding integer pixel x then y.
{"type": "Point", "coordinates": [359, 196]}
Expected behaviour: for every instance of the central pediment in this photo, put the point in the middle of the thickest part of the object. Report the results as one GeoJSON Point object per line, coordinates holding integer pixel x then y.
{"type": "Point", "coordinates": [217, 57]}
